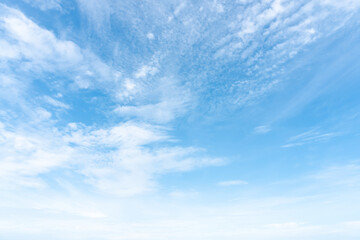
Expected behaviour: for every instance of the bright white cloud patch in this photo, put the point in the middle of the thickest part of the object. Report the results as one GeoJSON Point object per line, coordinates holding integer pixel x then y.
{"type": "Point", "coordinates": [25, 40]}
{"type": "Point", "coordinates": [150, 36]}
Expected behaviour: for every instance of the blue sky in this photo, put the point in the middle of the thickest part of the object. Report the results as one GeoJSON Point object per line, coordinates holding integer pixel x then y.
{"type": "Point", "coordinates": [179, 119]}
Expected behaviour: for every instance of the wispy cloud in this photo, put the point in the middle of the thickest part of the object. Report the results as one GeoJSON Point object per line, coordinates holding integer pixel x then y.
{"type": "Point", "coordinates": [56, 103]}
{"type": "Point", "coordinates": [46, 4]}
{"type": "Point", "coordinates": [259, 217]}
{"type": "Point", "coordinates": [232, 183]}
{"type": "Point", "coordinates": [262, 39]}
{"type": "Point", "coordinates": [310, 137]}
{"type": "Point", "coordinates": [115, 160]}
{"type": "Point", "coordinates": [26, 155]}
{"type": "Point", "coordinates": [26, 40]}
{"type": "Point", "coordinates": [146, 70]}
{"type": "Point", "coordinates": [262, 129]}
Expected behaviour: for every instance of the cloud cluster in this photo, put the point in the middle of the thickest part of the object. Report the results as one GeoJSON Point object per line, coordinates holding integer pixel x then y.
{"type": "Point", "coordinates": [124, 158]}
{"type": "Point", "coordinates": [118, 160]}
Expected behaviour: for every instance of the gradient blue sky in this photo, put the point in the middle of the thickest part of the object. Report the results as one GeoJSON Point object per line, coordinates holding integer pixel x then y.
{"type": "Point", "coordinates": [180, 119]}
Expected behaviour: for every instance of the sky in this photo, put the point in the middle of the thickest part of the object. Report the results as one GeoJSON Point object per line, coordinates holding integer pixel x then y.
{"type": "Point", "coordinates": [179, 119]}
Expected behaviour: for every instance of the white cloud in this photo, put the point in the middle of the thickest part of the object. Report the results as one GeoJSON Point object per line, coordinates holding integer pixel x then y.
{"type": "Point", "coordinates": [8, 51]}
{"type": "Point", "coordinates": [46, 4]}
{"type": "Point", "coordinates": [128, 90]}
{"type": "Point", "coordinates": [125, 134]}
{"type": "Point", "coordinates": [28, 41]}
{"type": "Point", "coordinates": [262, 39]}
{"type": "Point", "coordinates": [150, 36]}
{"type": "Point", "coordinates": [11, 88]}
{"type": "Point", "coordinates": [267, 34]}
{"type": "Point", "coordinates": [56, 103]}
{"type": "Point", "coordinates": [42, 114]}
{"type": "Point", "coordinates": [246, 92]}
{"type": "Point", "coordinates": [162, 112]}
{"type": "Point", "coordinates": [25, 156]}
{"type": "Point", "coordinates": [179, 8]}
{"type": "Point", "coordinates": [218, 7]}
{"type": "Point", "coordinates": [35, 49]}
{"type": "Point", "coordinates": [349, 5]}
{"type": "Point", "coordinates": [97, 13]}
{"type": "Point", "coordinates": [295, 214]}
{"type": "Point", "coordinates": [309, 137]}
{"type": "Point", "coordinates": [146, 70]}
{"type": "Point", "coordinates": [347, 175]}
{"type": "Point", "coordinates": [119, 160]}
{"type": "Point", "coordinates": [127, 158]}
{"type": "Point", "coordinates": [232, 183]}
{"type": "Point", "coordinates": [262, 129]}
{"type": "Point", "coordinates": [129, 167]}
{"type": "Point", "coordinates": [160, 102]}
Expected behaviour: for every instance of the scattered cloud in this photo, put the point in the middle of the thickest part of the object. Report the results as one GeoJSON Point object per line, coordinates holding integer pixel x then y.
{"type": "Point", "coordinates": [262, 129]}
{"type": "Point", "coordinates": [310, 137]}
{"type": "Point", "coordinates": [117, 160]}
{"type": "Point", "coordinates": [46, 4]}
{"type": "Point", "coordinates": [232, 183]}
{"type": "Point", "coordinates": [56, 103]}
{"type": "Point", "coordinates": [27, 41]}
{"type": "Point", "coordinates": [150, 36]}
{"type": "Point", "coordinates": [347, 175]}
{"type": "Point", "coordinates": [145, 70]}
{"type": "Point", "coordinates": [25, 156]}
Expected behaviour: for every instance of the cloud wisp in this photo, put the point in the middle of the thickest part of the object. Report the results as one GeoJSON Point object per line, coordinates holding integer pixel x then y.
{"type": "Point", "coordinates": [310, 137]}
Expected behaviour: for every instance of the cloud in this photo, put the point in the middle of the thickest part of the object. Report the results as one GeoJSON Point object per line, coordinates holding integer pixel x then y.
{"type": "Point", "coordinates": [24, 156]}
{"type": "Point", "coordinates": [81, 179]}
{"type": "Point", "coordinates": [46, 4]}
{"type": "Point", "coordinates": [161, 112]}
{"type": "Point", "coordinates": [162, 103]}
{"type": "Point", "coordinates": [125, 134]}
{"type": "Point", "coordinates": [129, 166]}
{"type": "Point", "coordinates": [262, 129]}
{"type": "Point", "coordinates": [255, 46]}
{"type": "Point", "coordinates": [309, 137]}
{"type": "Point", "coordinates": [347, 175]}
{"type": "Point", "coordinates": [150, 36]}
{"type": "Point", "coordinates": [145, 71]}
{"type": "Point", "coordinates": [26, 40]}
{"type": "Point", "coordinates": [37, 50]}
{"type": "Point", "coordinates": [56, 103]}
{"type": "Point", "coordinates": [97, 14]}
{"type": "Point", "coordinates": [119, 160]}
{"type": "Point", "coordinates": [11, 88]}
{"type": "Point", "coordinates": [232, 183]}
{"type": "Point", "coordinates": [348, 5]}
